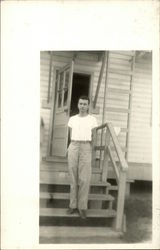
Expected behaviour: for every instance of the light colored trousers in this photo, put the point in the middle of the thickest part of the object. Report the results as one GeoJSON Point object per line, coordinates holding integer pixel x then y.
{"type": "Point", "coordinates": [79, 165]}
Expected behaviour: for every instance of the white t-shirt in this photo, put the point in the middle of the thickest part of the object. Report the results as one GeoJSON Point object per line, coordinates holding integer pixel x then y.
{"type": "Point", "coordinates": [82, 127]}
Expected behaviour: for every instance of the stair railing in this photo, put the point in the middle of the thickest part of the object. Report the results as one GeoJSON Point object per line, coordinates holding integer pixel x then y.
{"type": "Point", "coordinates": [103, 137]}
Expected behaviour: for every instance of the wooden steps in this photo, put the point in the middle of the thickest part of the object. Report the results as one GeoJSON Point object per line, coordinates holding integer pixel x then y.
{"type": "Point", "coordinates": [64, 196]}
{"type": "Point", "coordinates": [54, 198]}
{"type": "Point", "coordinates": [91, 213]}
{"type": "Point", "coordinates": [53, 181]}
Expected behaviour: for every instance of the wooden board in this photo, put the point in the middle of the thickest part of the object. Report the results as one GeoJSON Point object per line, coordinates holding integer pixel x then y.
{"type": "Point", "coordinates": [64, 196]}
{"type": "Point", "coordinates": [91, 213]}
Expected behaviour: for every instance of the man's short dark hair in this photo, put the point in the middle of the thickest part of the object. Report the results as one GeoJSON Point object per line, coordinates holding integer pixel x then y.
{"type": "Point", "coordinates": [84, 97]}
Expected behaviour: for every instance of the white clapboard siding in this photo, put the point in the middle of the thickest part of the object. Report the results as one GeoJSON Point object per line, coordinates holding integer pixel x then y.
{"type": "Point", "coordinates": [44, 76]}
{"type": "Point", "coordinates": [117, 93]}
{"type": "Point", "coordinates": [140, 140]}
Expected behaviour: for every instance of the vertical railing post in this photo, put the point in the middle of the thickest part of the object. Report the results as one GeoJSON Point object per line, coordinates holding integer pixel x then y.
{"type": "Point", "coordinates": [120, 200]}
{"type": "Point", "coordinates": [101, 144]}
{"type": "Point", "coordinates": [94, 143]}
{"type": "Point", "coordinates": [106, 157]}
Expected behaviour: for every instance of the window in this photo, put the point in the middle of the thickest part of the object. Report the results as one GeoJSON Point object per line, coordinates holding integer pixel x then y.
{"type": "Point", "coordinates": [62, 93]}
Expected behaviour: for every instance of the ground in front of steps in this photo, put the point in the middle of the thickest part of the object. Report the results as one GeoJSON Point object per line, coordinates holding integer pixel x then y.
{"type": "Point", "coordinates": [138, 210]}
{"type": "Point", "coordinates": [78, 235]}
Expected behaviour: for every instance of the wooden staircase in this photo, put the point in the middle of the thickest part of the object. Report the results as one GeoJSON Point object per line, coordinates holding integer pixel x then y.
{"type": "Point", "coordinates": [106, 201]}
{"type": "Point", "coordinates": [99, 192]}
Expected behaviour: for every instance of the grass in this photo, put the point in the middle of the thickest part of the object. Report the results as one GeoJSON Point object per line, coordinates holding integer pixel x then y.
{"type": "Point", "coordinates": [138, 210]}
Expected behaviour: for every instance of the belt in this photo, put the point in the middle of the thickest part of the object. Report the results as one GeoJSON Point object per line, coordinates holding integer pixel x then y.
{"type": "Point", "coordinates": [81, 141]}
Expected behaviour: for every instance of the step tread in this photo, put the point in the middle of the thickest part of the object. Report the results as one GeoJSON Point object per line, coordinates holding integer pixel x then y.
{"type": "Point", "coordinates": [55, 159]}
{"type": "Point", "coordinates": [67, 182]}
{"type": "Point", "coordinates": [61, 167]}
{"type": "Point", "coordinates": [47, 195]}
{"type": "Point", "coordinates": [67, 231]}
{"type": "Point", "coordinates": [62, 212]}
{"type": "Point", "coordinates": [113, 187]}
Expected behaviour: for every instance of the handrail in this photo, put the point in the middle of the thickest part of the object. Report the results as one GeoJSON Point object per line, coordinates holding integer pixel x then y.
{"type": "Point", "coordinates": [120, 171]}
{"type": "Point", "coordinates": [123, 163]}
{"type": "Point", "coordinates": [101, 126]}
{"type": "Point", "coordinates": [114, 164]}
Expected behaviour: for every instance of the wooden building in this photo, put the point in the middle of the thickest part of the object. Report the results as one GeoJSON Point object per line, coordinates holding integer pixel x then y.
{"type": "Point", "coordinates": [119, 84]}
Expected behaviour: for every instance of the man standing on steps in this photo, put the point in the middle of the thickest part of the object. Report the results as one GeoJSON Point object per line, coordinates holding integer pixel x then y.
{"type": "Point", "coordinates": [79, 157]}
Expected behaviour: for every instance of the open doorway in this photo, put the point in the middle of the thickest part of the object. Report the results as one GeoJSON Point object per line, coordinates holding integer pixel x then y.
{"type": "Point", "coordinates": [80, 86]}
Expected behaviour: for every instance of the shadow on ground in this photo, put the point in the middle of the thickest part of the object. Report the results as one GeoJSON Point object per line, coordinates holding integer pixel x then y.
{"type": "Point", "coordinates": [138, 210]}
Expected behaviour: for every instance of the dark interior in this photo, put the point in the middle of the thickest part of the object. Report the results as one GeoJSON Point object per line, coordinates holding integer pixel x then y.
{"type": "Point", "coordinates": [80, 86]}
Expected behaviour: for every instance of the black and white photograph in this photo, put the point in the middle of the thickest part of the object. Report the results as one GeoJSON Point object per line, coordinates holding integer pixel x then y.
{"type": "Point", "coordinates": [80, 124]}
{"type": "Point", "coordinates": [96, 154]}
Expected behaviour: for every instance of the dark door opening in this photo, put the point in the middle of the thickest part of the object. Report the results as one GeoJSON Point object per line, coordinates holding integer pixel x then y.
{"type": "Point", "coordinates": [80, 86]}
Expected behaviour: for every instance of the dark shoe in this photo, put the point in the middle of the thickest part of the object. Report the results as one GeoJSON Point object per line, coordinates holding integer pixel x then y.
{"type": "Point", "coordinates": [82, 213]}
{"type": "Point", "coordinates": [71, 210]}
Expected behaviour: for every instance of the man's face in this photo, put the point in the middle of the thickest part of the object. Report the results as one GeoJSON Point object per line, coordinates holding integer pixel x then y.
{"type": "Point", "coordinates": [83, 105]}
